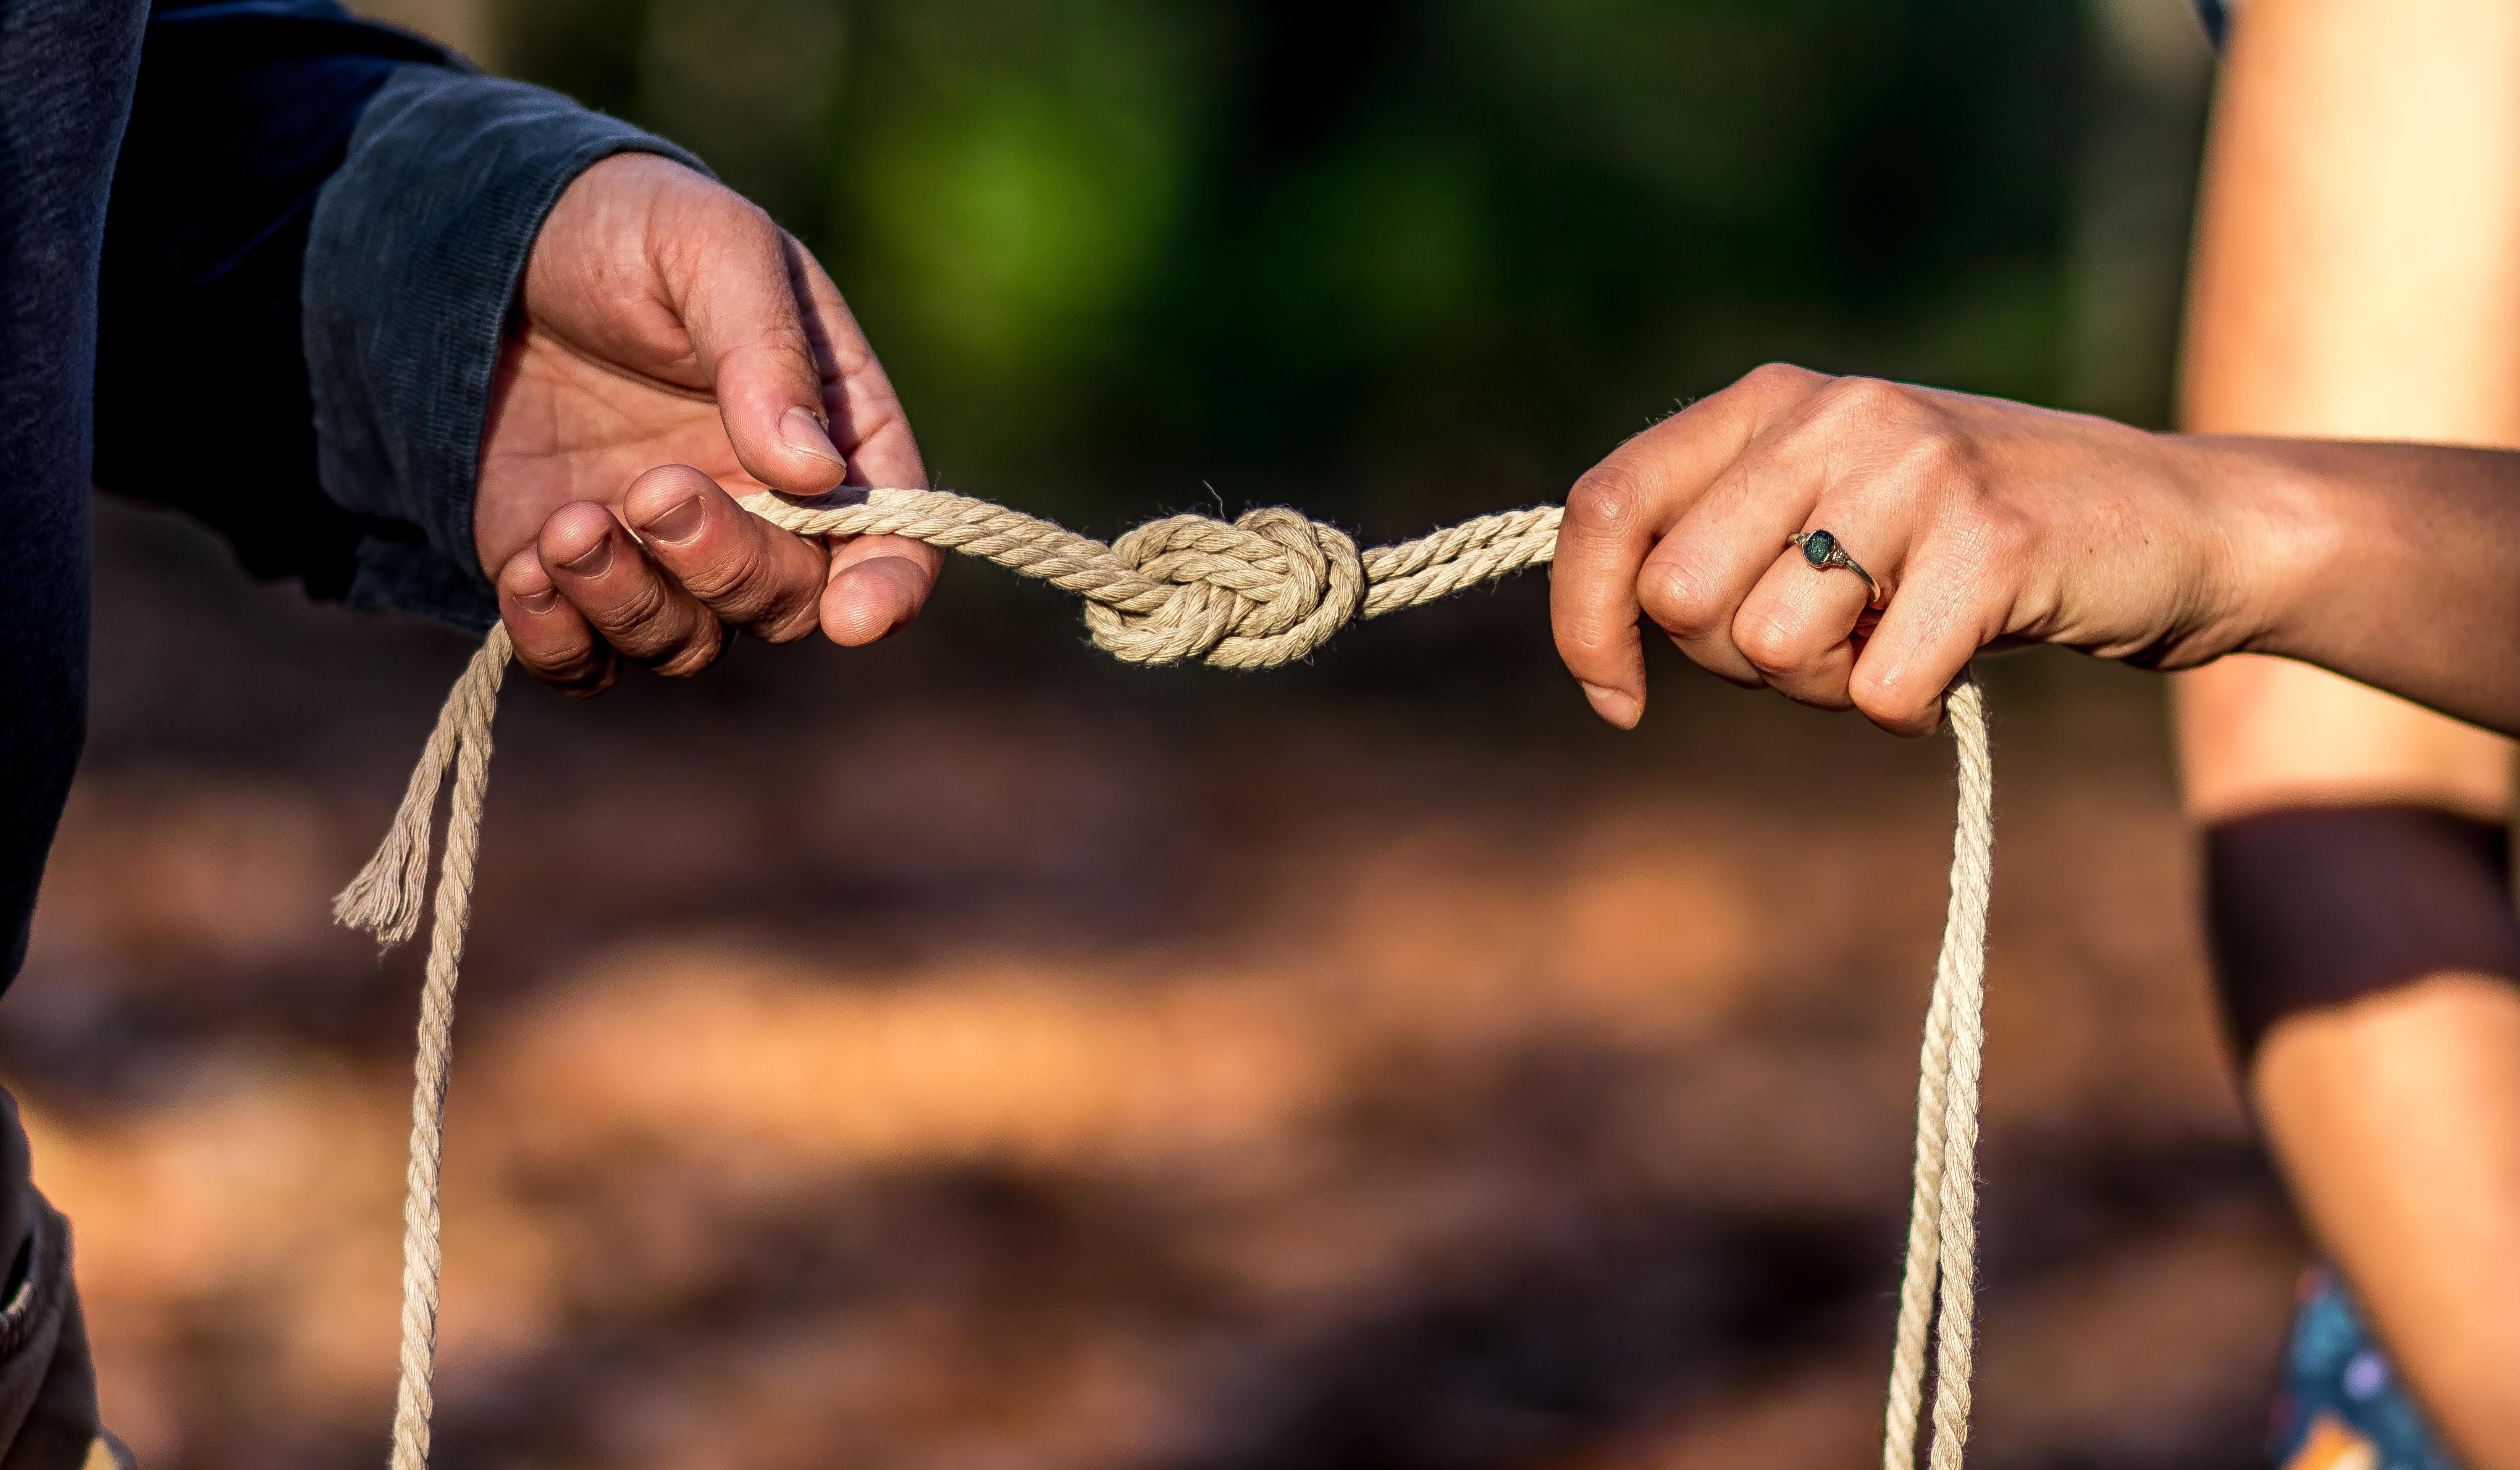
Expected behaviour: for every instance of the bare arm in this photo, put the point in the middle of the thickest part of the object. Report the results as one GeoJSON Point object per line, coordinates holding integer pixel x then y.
{"type": "Point", "coordinates": [1984, 522]}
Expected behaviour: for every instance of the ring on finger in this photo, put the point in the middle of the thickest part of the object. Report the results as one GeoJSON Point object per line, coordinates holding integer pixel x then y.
{"type": "Point", "coordinates": [1825, 553]}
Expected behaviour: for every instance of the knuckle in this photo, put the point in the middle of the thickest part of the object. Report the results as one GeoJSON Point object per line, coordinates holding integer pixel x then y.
{"type": "Point", "coordinates": [750, 591]}
{"type": "Point", "coordinates": [1681, 605]}
{"type": "Point", "coordinates": [1864, 401]}
{"type": "Point", "coordinates": [724, 581]}
{"type": "Point", "coordinates": [1782, 381]}
{"type": "Point", "coordinates": [1587, 642]}
{"type": "Point", "coordinates": [705, 647]}
{"type": "Point", "coordinates": [1771, 644]}
{"type": "Point", "coordinates": [757, 219]}
{"type": "Point", "coordinates": [785, 353]}
{"type": "Point", "coordinates": [1933, 457]}
{"type": "Point", "coordinates": [1889, 702]}
{"type": "Point", "coordinates": [641, 621]}
{"type": "Point", "coordinates": [1609, 501]}
{"type": "Point", "coordinates": [788, 625]}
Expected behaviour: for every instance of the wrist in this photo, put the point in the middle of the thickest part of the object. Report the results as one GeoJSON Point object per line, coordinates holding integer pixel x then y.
{"type": "Point", "coordinates": [2274, 530]}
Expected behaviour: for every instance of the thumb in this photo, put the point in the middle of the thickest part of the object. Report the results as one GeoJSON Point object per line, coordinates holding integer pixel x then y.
{"type": "Point", "coordinates": [739, 300]}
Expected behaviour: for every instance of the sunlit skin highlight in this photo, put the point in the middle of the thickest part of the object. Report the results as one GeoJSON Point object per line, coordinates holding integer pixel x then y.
{"type": "Point", "coordinates": [1991, 524]}
{"type": "Point", "coordinates": [666, 322]}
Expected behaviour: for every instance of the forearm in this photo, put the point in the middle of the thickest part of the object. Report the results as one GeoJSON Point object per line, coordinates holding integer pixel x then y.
{"type": "Point", "coordinates": [2397, 566]}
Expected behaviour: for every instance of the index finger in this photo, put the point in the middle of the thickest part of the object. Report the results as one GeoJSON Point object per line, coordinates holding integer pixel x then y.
{"type": "Point", "coordinates": [1621, 508]}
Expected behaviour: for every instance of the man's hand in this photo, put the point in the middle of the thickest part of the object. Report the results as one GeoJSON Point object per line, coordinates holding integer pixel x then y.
{"type": "Point", "coordinates": [1982, 521]}
{"type": "Point", "coordinates": [664, 320]}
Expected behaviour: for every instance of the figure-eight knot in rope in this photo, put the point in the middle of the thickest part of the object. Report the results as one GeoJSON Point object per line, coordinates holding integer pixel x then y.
{"type": "Point", "coordinates": [1267, 588]}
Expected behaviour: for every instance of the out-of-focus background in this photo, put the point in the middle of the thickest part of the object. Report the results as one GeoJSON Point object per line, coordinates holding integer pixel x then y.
{"type": "Point", "coordinates": [969, 1053]}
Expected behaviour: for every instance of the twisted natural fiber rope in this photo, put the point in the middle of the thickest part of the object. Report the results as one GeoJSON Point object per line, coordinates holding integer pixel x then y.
{"type": "Point", "coordinates": [384, 899]}
{"type": "Point", "coordinates": [1942, 1220]}
{"type": "Point", "coordinates": [1265, 589]}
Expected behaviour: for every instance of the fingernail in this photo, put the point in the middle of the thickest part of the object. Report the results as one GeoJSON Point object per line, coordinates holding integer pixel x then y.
{"type": "Point", "coordinates": [802, 434]}
{"type": "Point", "coordinates": [679, 524]}
{"type": "Point", "coordinates": [1617, 706]}
{"type": "Point", "coordinates": [538, 602]}
{"type": "Point", "coordinates": [594, 561]}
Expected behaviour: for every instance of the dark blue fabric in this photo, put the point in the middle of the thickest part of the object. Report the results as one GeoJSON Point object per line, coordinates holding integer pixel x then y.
{"type": "Point", "coordinates": [296, 190]}
{"type": "Point", "coordinates": [241, 114]}
{"type": "Point", "coordinates": [329, 441]}
{"type": "Point", "coordinates": [452, 174]}
{"type": "Point", "coordinates": [65, 77]}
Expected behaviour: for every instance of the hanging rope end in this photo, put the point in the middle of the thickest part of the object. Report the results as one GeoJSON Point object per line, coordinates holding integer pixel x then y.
{"type": "Point", "coordinates": [384, 899]}
{"type": "Point", "coordinates": [387, 896]}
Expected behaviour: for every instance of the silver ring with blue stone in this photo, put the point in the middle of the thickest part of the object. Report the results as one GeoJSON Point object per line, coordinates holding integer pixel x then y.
{"type": "Point", "coordinates": [1822, 551]}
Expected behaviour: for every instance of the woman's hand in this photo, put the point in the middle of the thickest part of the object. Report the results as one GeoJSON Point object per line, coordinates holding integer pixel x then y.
{"type": "Point", "coordinates": [664, 320]}
{"type": "Point", "coordinates": [1981, 521]}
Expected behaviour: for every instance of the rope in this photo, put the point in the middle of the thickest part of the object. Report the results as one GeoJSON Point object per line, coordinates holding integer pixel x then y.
{"type": "Point", "coordinates": [1267, 588]}
{"type": "Point", "coordinates": [1941, 1218]}
{"type": "Point", "coordinates": [385, 900]}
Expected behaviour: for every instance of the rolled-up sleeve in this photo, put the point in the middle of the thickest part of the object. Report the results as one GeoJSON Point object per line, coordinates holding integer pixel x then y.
{"type": "Point", "coordinates": [413, 259]}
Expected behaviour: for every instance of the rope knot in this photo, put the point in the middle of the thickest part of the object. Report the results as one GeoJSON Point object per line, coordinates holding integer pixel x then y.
{"type": "Point", "coordinates": [1269, 588]}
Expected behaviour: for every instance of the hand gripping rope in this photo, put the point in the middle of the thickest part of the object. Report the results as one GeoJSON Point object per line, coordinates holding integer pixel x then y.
{"type": "Point", "coordinates": [1269, 588]}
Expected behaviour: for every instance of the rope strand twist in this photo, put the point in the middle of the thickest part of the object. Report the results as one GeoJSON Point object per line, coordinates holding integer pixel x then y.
{"type": "Point", "coordinates": [1266, 589]}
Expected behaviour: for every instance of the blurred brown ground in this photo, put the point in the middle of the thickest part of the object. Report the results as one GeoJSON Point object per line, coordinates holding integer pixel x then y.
{"type": "Point", "coordinates": [970, 1054]}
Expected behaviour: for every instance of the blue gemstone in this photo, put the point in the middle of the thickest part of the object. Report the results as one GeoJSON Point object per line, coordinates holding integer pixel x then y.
{"type": "Point", "coordinates": [1818, 546]}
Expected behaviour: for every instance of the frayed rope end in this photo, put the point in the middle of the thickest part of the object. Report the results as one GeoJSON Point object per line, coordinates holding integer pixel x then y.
{"type": "Point", "coordinates": [386, 897]}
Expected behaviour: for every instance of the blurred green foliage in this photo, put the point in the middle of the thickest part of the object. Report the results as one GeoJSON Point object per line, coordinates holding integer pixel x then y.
{"type": "Point", "coordinates": [1389, 259]}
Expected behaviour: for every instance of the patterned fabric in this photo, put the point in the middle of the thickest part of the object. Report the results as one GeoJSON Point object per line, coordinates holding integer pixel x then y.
{"type": "Point", "coordinates": [2341, 1406]}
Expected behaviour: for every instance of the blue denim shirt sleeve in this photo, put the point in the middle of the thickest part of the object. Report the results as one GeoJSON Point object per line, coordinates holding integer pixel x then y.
{"type": "Point", "coordinates": [413, 259]}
